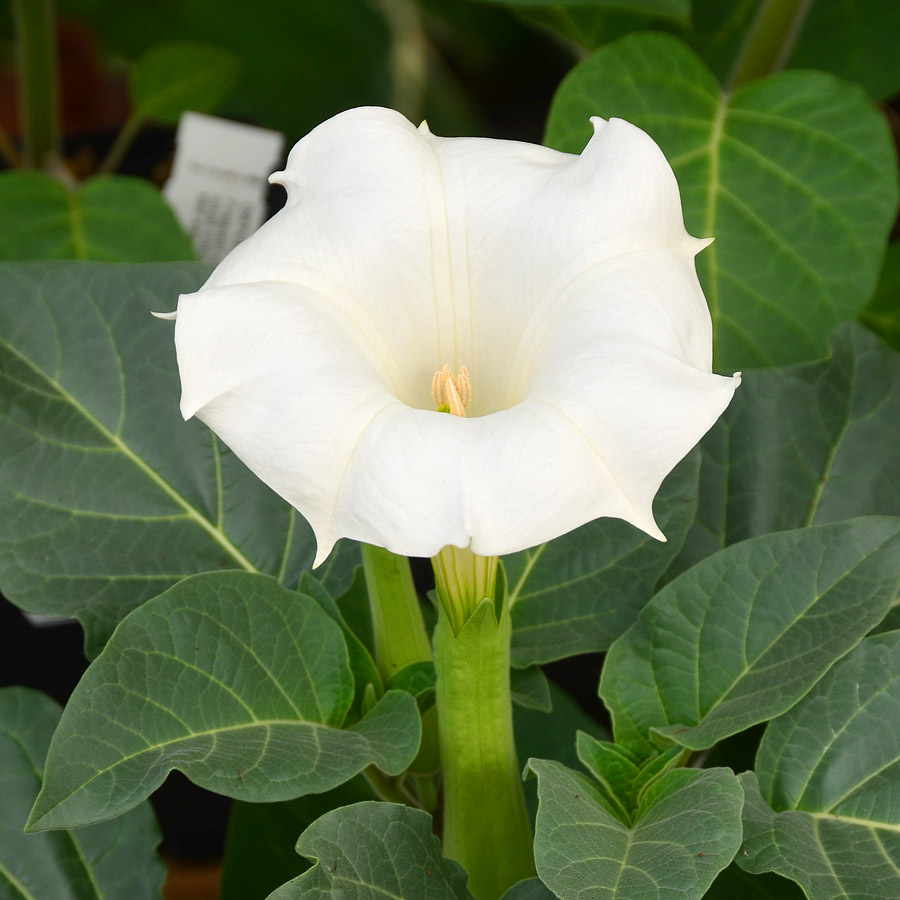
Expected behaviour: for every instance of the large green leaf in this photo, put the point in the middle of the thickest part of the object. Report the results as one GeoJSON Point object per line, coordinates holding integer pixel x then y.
{"type": "Point", "coordinates": [795, 175]}
{"type": "Point", "coordinates": [234, 680]}
{"type": "Point", "coordinates": [826, 811]}
{"type": "Point", "coordinates": [578, 593]}
{"type": "Point", "coordinates": [743, 635]}
{"type": "Point", "coordinates": [370, 851]}
{"type": "Point", "coordinates": [111, 218]}
{"type": "Point", "coordinates": [686, 831]}
{"type": "Point", "coordinates": [111, 861]}
{"type": "Point", "coordinates": [804, 445]}
{"type": "Point", "coordinates": [106, 496]}
{"type": "Point", "coordinates": [174, 76]}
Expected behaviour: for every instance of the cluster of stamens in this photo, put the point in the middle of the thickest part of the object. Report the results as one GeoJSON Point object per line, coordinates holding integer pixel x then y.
{"type": "Point", "coordinates": [451, 394]}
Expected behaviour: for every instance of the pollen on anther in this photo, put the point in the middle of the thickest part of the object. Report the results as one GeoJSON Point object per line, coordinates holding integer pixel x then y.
{"type": "Point", "coordinates": [451, 394]}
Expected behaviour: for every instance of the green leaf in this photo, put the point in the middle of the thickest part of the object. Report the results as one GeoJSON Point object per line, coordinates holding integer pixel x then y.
{"type": "Point", "coordinates": [106, 496]}
{"type": "Point", "coordinates": [172, 77]}
{"type": "Point", "coordinates": [882, 314]}
{"type": "Point", "coordinates": [529, 687]}
{"type": "Point", "coordinates": [831, 859]}
{"type": "Point", "coordinates": [112, 861]}
{"type": "Point", "coordinates": [111, 218]}
{"type": "Point", "coordinates": [370, 851]}
{"type": "Point", "coordinates": [734, 883]}
{"type": "Point", "coordinates": [579, 592]}
{"type": "Point", "coordinates": [234, 680]}
{"type": "Point", "coordinates": [804, 445]}
{"type": "Point", "coordinates": [687, 831]}
{"type": "Point", "coordinates": [260, 854]}
{"type": "Point", "coordinates": [795, 175]}
{"type": "Point", "coordinates": [743, 635]}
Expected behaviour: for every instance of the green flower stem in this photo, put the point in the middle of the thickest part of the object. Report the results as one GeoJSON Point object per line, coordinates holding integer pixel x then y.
{"type": "Point", "coordinates": [399, 633]}
{"type": "Point", "coordinates": [397, 624]}
{"type": "Point", "coordinates": [770, 40]}
{"type": "Point", "coordinates": [486, 826]}
{"type": "Point", "coordinates": [37, 77]}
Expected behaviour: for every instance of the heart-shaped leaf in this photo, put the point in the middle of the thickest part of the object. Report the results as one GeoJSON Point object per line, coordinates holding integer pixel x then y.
{"type": "Point", "coordinates": [234, 680]}
{"type": "Point", "coordinates": [795, 176]}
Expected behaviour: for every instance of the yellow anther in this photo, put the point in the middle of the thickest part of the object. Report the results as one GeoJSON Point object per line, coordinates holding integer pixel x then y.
{"type": "Point", "coordinates": [451, 394]}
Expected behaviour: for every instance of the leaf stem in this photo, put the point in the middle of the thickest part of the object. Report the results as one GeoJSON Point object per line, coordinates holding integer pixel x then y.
{"type": "Point", "coordinates": [122, 144]}
{"type": "Point", "coordinates": [37, 79]}
{"type": "Point", "coordinates": [486, 826]}
{"type": "Point", "coordinates": [769, 41]}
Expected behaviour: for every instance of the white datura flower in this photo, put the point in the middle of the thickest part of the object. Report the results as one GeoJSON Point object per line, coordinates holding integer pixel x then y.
{"type": "Point", "coordinates": [565, 285]}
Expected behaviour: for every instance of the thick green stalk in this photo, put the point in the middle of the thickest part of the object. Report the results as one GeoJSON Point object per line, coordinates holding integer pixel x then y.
{"type": "Point", "coordinates": [486, 825]}
{"type": "Point", "coordinates": [769, 42]}
{"type": "Point", "coordinates": [37, 78]}
{"type": "Point", "coordinates": [399, 633]}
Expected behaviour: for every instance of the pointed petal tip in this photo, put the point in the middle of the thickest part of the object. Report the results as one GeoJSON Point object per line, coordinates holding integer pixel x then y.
{"type": "Point", "coordinates": [323, 550]}
{"type": "Point", "coordinates": [598, 123]}
{"type": "Point", "coordinates": [188, 410]}
{"type": "Point", "coordinates": [167, 316]}
{"type": "Point", "coordinates": [423, 128]}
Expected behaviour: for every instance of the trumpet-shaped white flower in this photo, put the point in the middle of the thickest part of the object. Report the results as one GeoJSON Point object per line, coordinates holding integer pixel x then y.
{"type": "Point", "coordinates": [565, 285]}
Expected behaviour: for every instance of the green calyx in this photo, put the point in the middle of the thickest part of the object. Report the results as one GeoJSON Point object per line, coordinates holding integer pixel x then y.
{"type": "Point", "coordinates": [463, 580]}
